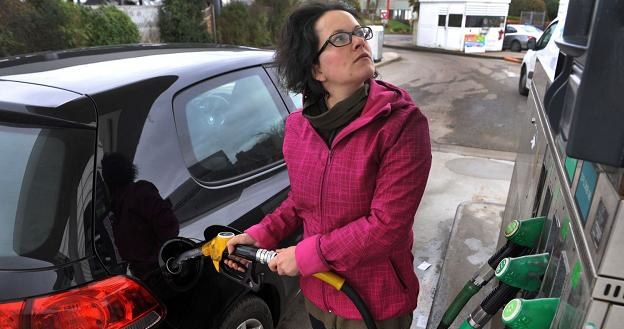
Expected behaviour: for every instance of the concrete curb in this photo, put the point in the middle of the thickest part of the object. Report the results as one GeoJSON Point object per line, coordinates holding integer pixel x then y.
{"type": "Point", "coordinates": [456, 53]}
{"type": "Point", "coordinates": [393, 58]}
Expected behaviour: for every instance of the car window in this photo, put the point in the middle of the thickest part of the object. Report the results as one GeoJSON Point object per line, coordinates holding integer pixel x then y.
{"type": "Point", "coordinates": [46, 185]}
{"type": "Point", "coordinates": [510, 29]}
{"type": "Point", "coordinates": [297, 99]}
{"type": "Point", "coordinates": [545, 38]}
{"type": "Point", "coordinates": [231, 126]}
{"type": "Point", "coordinates": [294, 101]}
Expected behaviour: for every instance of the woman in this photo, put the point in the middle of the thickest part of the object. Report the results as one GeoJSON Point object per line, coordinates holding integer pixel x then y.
{"type": "Point", "coordinates": [358, 158]}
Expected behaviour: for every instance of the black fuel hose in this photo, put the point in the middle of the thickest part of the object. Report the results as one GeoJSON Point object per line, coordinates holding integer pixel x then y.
{"type": "Point", "coordinates": [510, 249]}
{"type": "Point", "coordinates": [498, 298]}
{"type": "Point", "coordinates": [360, 305]}
{"type": "Point", "coordinates": [264, 256]}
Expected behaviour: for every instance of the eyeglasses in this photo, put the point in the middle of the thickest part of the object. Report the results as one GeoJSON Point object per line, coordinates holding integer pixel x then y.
{"type": "Point", "coordinates": [341, 39]}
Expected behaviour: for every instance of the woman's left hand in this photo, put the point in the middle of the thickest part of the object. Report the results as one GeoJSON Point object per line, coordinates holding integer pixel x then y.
{"type": "Point", "coordinates": [285, 263]}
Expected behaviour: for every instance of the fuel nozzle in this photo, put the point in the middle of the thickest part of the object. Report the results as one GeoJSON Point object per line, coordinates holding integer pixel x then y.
{"type": "Point", "coordinates": [522, 235]}
{"type": "Point", "coordinates": [523, 272]}
{"type": "Point", "coordinates": [215, 248]}
{"type": "Point", "coordinates": [525, 232]}
{"type": "Point", "coordinates": [530, 313]}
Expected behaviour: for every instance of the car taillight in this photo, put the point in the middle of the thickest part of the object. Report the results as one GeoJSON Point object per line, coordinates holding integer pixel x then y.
{"type": "Point", "coordinates": [113, 303]}
{"type": "Point", "coordinates": [10, 315]}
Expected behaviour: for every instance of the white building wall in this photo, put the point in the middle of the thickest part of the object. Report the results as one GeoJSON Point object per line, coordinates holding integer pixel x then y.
{"type": "Point", "coordinates": [146, 20]}
{"type": "Point", "coordinates": [427, 25]}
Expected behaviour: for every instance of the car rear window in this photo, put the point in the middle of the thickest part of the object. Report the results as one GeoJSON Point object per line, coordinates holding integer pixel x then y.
{"type": "Point", "coordinates": [45, 197]}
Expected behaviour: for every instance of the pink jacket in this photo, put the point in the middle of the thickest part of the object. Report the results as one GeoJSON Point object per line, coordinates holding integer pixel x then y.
{"type": "Point", "coordinates": [356, 201]}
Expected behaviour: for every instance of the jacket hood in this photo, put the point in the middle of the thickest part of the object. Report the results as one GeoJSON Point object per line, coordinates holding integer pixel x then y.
{"type": "Point", "coordinates": [384, 97]}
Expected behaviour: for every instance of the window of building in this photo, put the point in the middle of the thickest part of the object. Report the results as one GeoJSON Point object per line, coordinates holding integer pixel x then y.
{"type": "Point", "coordinates": [484, 21]}
{"type": "Point", "coordinates": [442, 20]}
{"type": "Point", "coordinates": [231, 127]}
{"type": "Point", "coordinates": [455, 20]}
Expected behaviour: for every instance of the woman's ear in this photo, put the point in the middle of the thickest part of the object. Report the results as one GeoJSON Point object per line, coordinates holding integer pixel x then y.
{"type": "Point", "coordinates": [317, 74]}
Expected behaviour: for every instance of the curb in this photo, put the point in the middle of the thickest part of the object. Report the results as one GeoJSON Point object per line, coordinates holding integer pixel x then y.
{"type": "Point", "coordinates": [448, 52]}
{"type": "Point", "coordinates": [512, 59]}
{"type": "Point", "coordinates": [392, 60]}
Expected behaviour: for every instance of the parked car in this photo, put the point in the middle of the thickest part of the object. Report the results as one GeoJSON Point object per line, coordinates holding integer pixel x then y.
{"type": "Point", "coordinates": [204, 127]}
{"type": "Point", "coordinates": [517, 37]}
{"type": "Point", "coordinates": [546, 51]}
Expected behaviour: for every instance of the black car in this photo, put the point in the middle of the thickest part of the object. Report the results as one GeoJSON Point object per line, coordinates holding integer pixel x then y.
{"type": "Point", "coordinates": [204, 127]}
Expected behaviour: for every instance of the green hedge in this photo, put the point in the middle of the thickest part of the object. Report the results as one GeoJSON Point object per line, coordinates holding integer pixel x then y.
{"type": "Point", "coordinates": [40, 25]}
{"type": "Point", "coordinates": [108, 25]}
{"type": "Point", "coordinates": [396, 27]}
{"type": "Point", "coordinates": [183, 21]}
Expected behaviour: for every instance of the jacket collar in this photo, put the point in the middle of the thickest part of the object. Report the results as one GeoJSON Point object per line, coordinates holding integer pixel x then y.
{"type": "Point", "coordinates": [383, 98]}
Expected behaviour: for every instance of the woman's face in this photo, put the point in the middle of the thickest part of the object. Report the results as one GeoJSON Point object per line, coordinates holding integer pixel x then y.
{"type": "Point", "coordinates": [348, 65]}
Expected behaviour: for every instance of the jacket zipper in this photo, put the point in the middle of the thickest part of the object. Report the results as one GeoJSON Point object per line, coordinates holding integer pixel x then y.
{"type": "Point", "coordinates": [322, 211]}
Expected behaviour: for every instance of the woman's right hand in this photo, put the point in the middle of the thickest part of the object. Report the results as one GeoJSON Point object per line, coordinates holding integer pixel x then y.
{"type": "Point", "coordinates": [244, 239]}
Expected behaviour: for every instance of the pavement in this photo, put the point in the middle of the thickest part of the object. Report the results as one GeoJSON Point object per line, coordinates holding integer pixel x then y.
{"type": "Point", "coordinates": [456, 227]}
{"type": "Point", "coordinates": [511, 56]}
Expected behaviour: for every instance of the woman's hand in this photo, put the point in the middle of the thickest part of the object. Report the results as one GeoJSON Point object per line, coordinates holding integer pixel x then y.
{"type": "Point", "coordinates": [285, 263]}
{"type": "Point", "coordinates": [245, 239]}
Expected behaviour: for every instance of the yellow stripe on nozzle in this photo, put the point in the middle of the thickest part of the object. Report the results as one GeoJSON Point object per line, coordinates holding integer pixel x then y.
{"type": "Point", "coordinates": [331, 278]}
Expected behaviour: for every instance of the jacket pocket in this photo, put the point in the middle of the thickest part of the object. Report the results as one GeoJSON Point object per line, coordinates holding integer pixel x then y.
{"type": "Point", "coordinates": [397, 275]}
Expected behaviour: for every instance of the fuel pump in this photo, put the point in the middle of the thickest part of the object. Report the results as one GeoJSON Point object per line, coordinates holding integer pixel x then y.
{"type": "Point", "coordinates": [515, 274]}
{"type": "Point", "coordinates": [522, 235]}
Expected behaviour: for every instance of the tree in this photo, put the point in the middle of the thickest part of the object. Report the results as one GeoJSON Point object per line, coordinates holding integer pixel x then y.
{"type": "Point", "coordinates": [552, 8]}
{"type": "Point", "coordinates": [40, 25]}
{"type": "Point", "coordinates": [240, 24]}
{"type": "Point", "coordinates": [415, 5]}
{"type": "Point", "coordinates": [355, 4]}
{"type": "Point", "coordinates": [276, 11]}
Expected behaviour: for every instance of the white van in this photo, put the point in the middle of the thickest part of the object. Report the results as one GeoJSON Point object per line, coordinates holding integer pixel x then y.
{"type": "Point", "coordinates": [546, 50]}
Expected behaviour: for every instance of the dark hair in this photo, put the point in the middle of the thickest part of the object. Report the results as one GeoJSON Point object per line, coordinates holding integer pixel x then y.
{"type": "Point", "coordinates": [117, 170]}
{"type": "Point", "coordinates": [297, 47]}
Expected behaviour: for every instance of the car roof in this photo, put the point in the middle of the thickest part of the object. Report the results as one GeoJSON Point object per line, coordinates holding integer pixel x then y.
{"type": "Point", "coordinates": [522, 26]}
{"type": "Point", "coordinates": [93, 70]}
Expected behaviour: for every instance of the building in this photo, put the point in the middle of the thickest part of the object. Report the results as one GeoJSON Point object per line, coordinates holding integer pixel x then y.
{"type": "Point", "coordinates": [462, 25]}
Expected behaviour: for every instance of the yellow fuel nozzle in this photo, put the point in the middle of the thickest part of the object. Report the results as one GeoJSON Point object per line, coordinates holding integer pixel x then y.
{"type": "Point", "coordinates": [215, 248]}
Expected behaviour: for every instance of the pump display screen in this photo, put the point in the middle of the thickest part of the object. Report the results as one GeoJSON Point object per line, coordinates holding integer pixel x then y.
{"type": "Point", "coordinates": [585, 189]}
